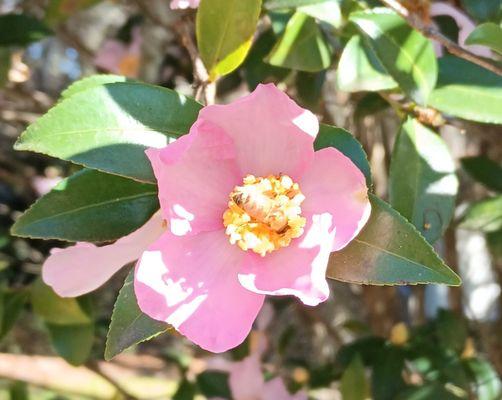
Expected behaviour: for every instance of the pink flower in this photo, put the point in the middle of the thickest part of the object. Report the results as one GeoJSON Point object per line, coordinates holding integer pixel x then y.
{"type": "Point", "coordinates": [251, 210]}
{"type": "Point", "coordinates": [184, 4]}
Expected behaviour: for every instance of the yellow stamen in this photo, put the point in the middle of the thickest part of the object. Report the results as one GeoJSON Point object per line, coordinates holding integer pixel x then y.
{"type": "Point", "coordinates": [264, 214]}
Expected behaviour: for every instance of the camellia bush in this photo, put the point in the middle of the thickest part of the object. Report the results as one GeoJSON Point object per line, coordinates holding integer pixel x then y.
{"type": "Point", "coordinates": [224, 204]}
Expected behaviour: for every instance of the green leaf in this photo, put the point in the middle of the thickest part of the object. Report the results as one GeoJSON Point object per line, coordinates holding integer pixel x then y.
{"type": "Point", "coordinates": [327, 11]}
{"type": "Point", "coordinates": [213, 384]}
{"type": "Point", "coordinates": [57, 310]}
{"type": "Point", "coordinates": [354, 385]}
{"type": "Point", "coordinates": [92, 82]}
{"type": "Point", "coordinates": [484, 170]}
{"type": "Point", "coordinates": [451, 330]}
{"type": "Point", "coordinates": [389, 251]}
{"type": "Point", "coordinates": [72, 342]}
{"type": "Point", "coordinates": [387, 373]}
{"type": "Point", "coordinates": [468, 91]}
{"type": "Point", "coordinates": [12, 304]}
{"type": "Point", "coordinates": [406, 55]}
{"type": "Point", "coordinates": [487, 34]}
{"type": "Point", "coordinates": [428, 391]}
{"type": "Point", "coordinates": [487, 384]}
{"type": "Point", "coordinates": [225, 30]}
{"type": "Point", "coordinates": [59, 10]}
{"type": "Point", "coordinates": [129, 325]}
{"type": "Point", "coordinates": [483, 10]}
{"type": "Point", "coordinates": [309, 87]}
{"type": "Point", "coordinates": [109, 127]}
{"type": "Point", "coordinates": [340, 139]}
{"type": "Point", "coordinates": [423, 184]}
{"type": "Point", "coordinates": [89, 206]}
{"type": "Point", "coordinates": [302, 46]}
{"type": "Point", "coordinates": [21, 29]}
{"type": "Point", "coordinates": [485, 215]}
{"type": "Point", "coordinates": [255, 69]}
{"type": "Point", "coordinates": [359, 69]}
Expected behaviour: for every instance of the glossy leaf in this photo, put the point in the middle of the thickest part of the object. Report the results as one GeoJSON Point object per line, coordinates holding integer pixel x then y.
{"type": "Point", "coordinates": [389, 251]}
{"type": "Point", "coordinates": [354, 385]}
{"type": "Point", "coordinates": [485, 215]}
{"type": "Point", "coordinates": [359, 69]}
{"type": "Point", "coordinates": [484, 170]}
{"type": "Point", "coordinates": [92, 82]}
{"type": "Point", "coordinates": [129, 325]}
{"type": "Point", "coordinates": [488, 385]}
{"type": "Point", "coordinates": [327, 11]}
{"type": "Point", "coordinates": [57, 310]}
{"type": "Point", "coordinates": [255, 69]}
{"type": "Point", "coordinates": [487, 34]}
{"type": "Point", "coordinates": [340, 139]}
{"type": "Point", "coordinates": [21, 29]}
{"type": "Point", "coordinates": [89, 206]}
{"type": "Point", "coordinates": [423, 184]}
{"type": "Point", "coordinates": [109, 127]}
{"type": "Point", "coordinates": [483, 10]}
{"type": "Point", "coordinates": [302, 46]}
{"type": "Point", "coordinates": [467, 91]}
{"type": "Point", "coordinates": [225, 30]}
{"type": "Point", "coordinates": [406, 55]}
{"type": "Point", "coordinates": [72, 342]}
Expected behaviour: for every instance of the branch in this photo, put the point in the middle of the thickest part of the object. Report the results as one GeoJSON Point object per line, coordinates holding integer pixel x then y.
{"type": "Point", "coordinates": [432, 33]}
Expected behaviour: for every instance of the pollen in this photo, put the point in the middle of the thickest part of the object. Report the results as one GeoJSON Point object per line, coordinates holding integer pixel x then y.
{"type": "Point", "coordinates": [264, 214]}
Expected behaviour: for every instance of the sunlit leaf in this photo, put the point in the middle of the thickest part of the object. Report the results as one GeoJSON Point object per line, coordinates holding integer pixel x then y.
{"type": "Point", "coordinates": [487, 34]}
{"type": "Point", "coordinates": [225, 30]}
{"type": "Point", "coordinates": [389, 251]}
{"type": "Point", "coordinates": [359, 69]}
{"type": "Point", "coordinates": [108, 127]}
{"type": "Point", "coordinates": [485, 215]}
{"type": "Point", "coordinates": [89, 206]}
{"type": "Point", "coordinates": [423, 184]}
{"type": "Point", "coordinates": [468, 91]}
{"type": "Point", "coordinates": [406, 55]}
{"type": "Point", "coordinates": [302, 46]}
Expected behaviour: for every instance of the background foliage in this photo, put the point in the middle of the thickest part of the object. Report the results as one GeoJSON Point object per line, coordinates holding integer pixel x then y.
{"type": "Point", "coordinates": [411, 91]}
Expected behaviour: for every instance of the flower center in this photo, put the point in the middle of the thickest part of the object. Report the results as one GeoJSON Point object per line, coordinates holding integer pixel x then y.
{"type": "Point", "coordinates": [264, 214]}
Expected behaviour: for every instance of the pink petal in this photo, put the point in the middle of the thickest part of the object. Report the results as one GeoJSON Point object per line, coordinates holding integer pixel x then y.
{"type": "Point", "coordinates": [276, 390]}
{"type": "Point", "coordinates": [191, 283]}
{"type": "Point", "coordinates": [82, 268]}
{"type": "Point", "coordinates": [195, 175]}
{"type": "Point", "coordinates": [332, 184]}
{"type": "Point", "coordinates": [272, 134]}
{"type": "Point", "coordinates": [246, 379]}
{"type": "Point", "coordinates": [182, 4]}
{"type": "Point", "coordinates": [299, 269]}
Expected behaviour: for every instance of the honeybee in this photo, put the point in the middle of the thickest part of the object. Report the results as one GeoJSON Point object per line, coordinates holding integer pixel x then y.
{"type": "Point", "coordinates": [260, 207]}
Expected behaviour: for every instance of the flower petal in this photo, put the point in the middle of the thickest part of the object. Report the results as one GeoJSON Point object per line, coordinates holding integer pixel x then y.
{"type": "Point", "coordinates": [276, 390]}
{"type": "Point", "coordinates": [299, 269]}
{"type": "Point", "coordinates": [191, 283]}
{"type": "Point", "coordinates": [82, 268]}
{"type": "Point", "coordinates": [272, 134]}
{"type": "Point", "coordinates": [333, 184]}
{"type": "Point", "coordinates": [246, 379]}
{"type": "Point", "coordinates": [195, 175]}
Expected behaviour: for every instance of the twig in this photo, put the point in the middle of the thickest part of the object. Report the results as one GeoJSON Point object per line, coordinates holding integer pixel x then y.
{"type": "Point", "coordinates": [95, 367]}
{"type": "Point", "coordinates": [204, 89]}
{"type": "Point", "coordinates": [432, 33]}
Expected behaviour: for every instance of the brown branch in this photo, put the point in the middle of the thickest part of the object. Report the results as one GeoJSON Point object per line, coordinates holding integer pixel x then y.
{"type": "Point", "coordinates": [432, 33]}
